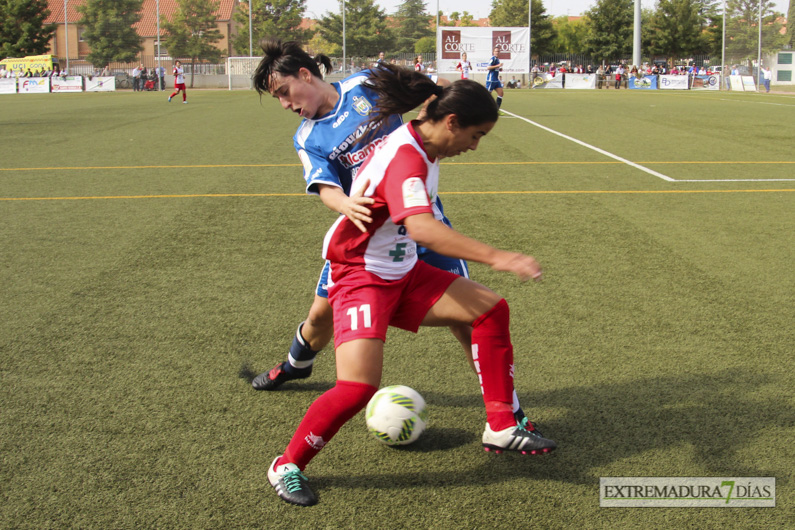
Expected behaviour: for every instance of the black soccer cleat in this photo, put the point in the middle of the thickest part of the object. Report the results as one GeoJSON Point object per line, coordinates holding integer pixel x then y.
{"type": "Point", "coordinates": [290, 484]}
{"type": "Point", "coordinates": [277, 376]}
{"type": "Point", "coordinates": [518, 439]}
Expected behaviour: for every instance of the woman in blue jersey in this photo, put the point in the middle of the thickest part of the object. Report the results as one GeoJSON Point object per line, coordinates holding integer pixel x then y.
{"type": "Point", "coordinates": [332, 141]}
{"type": "Point", "coordinates": [493, 76]}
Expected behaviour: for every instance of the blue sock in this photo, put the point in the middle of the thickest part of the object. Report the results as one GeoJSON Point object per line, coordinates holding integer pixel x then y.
{"type": "Point", "coordinates": [301, 357]}
{"type": "Point", "coordinates": [499, 102]}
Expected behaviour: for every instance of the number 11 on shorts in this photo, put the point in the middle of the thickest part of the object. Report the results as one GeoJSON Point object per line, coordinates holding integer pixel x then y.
{"type": "Point", "coordinates": [353, 312]}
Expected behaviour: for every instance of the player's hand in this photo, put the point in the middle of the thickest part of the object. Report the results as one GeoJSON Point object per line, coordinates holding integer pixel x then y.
{"type": "Point", "coordinates": [525, 267]}
{"type": "Point", "coordinates": [355, 209]}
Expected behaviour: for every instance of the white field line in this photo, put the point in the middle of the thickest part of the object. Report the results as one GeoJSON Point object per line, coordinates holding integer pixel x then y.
{"type": "Point", "coordinates": [594, 148]}
{"type": "Point", "coordinates": [633, 164]}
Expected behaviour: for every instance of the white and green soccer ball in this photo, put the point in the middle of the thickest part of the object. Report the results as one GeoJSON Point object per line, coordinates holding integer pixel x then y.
{"type": "Point", "coordinates": [396, 415]}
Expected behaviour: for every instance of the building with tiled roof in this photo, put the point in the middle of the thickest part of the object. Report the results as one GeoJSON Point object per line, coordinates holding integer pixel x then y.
{"type": "Point", "coordinates": [146, 27]}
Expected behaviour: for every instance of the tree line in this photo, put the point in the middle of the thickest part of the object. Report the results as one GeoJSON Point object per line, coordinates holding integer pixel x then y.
{"type": "Point", "coordinates": [674, 28]}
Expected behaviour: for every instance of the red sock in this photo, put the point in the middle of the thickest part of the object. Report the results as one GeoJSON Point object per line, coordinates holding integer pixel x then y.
{"type": "Point", "coordinates": [492, 352]}
{"type": "Point", "coordinates": [184, 96]}
{"type": "Point", "coordinates": [171, 96]}
{"type": "Point", "coordinates": [324, 418]}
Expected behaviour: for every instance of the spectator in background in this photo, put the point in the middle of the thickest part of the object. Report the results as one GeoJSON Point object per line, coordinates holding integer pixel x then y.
{"type": "Point", "coordinates": [105, 71]}
{"type": "Point", "coordinates": [767, 75]}
{"type": "Point", "coordinates": [161, 74]}
{"type": "Point", "coordinates": [619, 75]}
{"type": "Point", "coordinates": [136, 75]}
{"type": "Point", "coordinates": [381, 60]}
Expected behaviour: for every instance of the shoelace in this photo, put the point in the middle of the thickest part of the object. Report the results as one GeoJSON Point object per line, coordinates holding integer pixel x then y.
{"type": "Point", "coordinates": [529, 426]}
{"type": "Point", "coordinates": [293, 481]}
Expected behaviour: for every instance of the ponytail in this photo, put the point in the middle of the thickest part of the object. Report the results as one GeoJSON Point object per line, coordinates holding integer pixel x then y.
{"type": "Point", "coordinates": [401, 90]}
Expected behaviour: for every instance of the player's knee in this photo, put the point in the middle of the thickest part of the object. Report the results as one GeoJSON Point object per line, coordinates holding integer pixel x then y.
{"type": "Point", "coordinates": [353, 395]}
{"type": "Point", "coordinates": [499, 316]}
{"type": "Point", "coordinates": [321, 316]}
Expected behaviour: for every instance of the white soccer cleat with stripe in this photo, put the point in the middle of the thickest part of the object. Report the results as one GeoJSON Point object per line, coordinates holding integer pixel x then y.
{"type": "Point", "coordinates": [516, 438]}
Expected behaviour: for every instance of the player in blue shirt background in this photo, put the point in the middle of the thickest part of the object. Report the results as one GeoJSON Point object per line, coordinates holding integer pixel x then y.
{"type": "Point", "coordinates": [332, 141]}
{"type": "Point", "coordinates": [493, 76]}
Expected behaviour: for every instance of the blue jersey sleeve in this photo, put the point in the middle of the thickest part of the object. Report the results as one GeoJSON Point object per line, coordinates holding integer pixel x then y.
{"type": "Point", "coordinates": [318, 169]}
{"type": "Point", "coordinates": [333, 147]}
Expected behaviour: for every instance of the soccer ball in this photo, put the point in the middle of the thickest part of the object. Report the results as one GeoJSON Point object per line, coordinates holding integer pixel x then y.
{"type": "Point", "coordinates": [396, 415]}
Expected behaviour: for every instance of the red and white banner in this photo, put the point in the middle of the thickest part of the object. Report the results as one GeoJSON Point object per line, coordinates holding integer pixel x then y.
{"type": "Point", "coordinates": [100, 84]}
{"type": "Point", "coordinates": [479, 43]}
{"type": "Point", "coordinates": [67, 84]}
{"type": "Point", "coordinates": [34, 85]}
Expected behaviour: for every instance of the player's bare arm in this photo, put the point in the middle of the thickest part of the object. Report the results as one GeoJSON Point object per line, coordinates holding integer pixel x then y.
{"type": "Point", "coordinates": [432, 234]}
{"type": "Point", "coordinates": [353, 207]}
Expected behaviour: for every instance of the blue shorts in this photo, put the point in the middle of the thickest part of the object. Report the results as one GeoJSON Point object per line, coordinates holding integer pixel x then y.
{"type": "Point", "coordinates": [491, 85]}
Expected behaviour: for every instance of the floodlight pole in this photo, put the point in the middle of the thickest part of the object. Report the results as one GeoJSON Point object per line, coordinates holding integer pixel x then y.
{"type": "Point", "coordinates": [66, 32]}
{"type": "Point", "coordinates": [759, 51]}
{"type": "Point", "coordinates": [157, 7]}
{"type": "Point", "coordinates": [636, 36]}
{"type": "Point", "coordinates": [250, 35]}
{"type": "Point", "coordinates": [344, 59]}
{"type": "Point", "coordinates": [530, 40]}
{"type": "Point", "coordinates": [723, 51]}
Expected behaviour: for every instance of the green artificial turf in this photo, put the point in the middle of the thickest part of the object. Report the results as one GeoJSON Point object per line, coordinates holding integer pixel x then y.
{"type": "Point", "coordinates": [155, 256]}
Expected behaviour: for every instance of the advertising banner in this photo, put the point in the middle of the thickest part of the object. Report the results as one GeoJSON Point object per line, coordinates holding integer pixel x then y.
{"type": "Point", "coordinates": [647, 82]}
{"type": "Point", "coordinates": [8, 86]}
{"type": "Point", "coordinates": [706, 82]}
{"type": "Point", "coordinates": [749, 85]}
{"type": "Point", "coordinates": [579, 81]}
{"type": "Point", "coordinates": [547, 81]}
{"type": "Point", "coordinates": [736, 83]}
{"type": "Point", "coordinates": [69, 83]}
{"type": "Point", "coordinates": [674, 82]}
{"type": "Point", "coordinates": [479, 43]}
{"type": "Point", "coordinates": [100, 84]}
{"type": "Point", "coordinates": [34, 85]}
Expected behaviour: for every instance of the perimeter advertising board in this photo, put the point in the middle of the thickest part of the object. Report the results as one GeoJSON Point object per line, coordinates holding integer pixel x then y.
{"type": "Point", "coordinates": [674, 82]}
{"type": "Point", "coordinates": [34, 85]}
{"type": "Point", "coordinates": [8, 86]}
{"type": "Point", "coordinates": [478, 44]}
{"type": "Point", "coordinates": [67, 84]}
{"type": "Point", "coordinates": [100, 84]}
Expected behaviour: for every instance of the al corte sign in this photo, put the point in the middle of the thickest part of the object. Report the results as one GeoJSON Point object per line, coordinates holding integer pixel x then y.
{"type": "Point", "coordinates": [478, 43]}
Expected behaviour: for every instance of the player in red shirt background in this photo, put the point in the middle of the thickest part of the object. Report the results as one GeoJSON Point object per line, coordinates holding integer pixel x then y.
{"type": "Point", "coordinates": [179, 82]}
